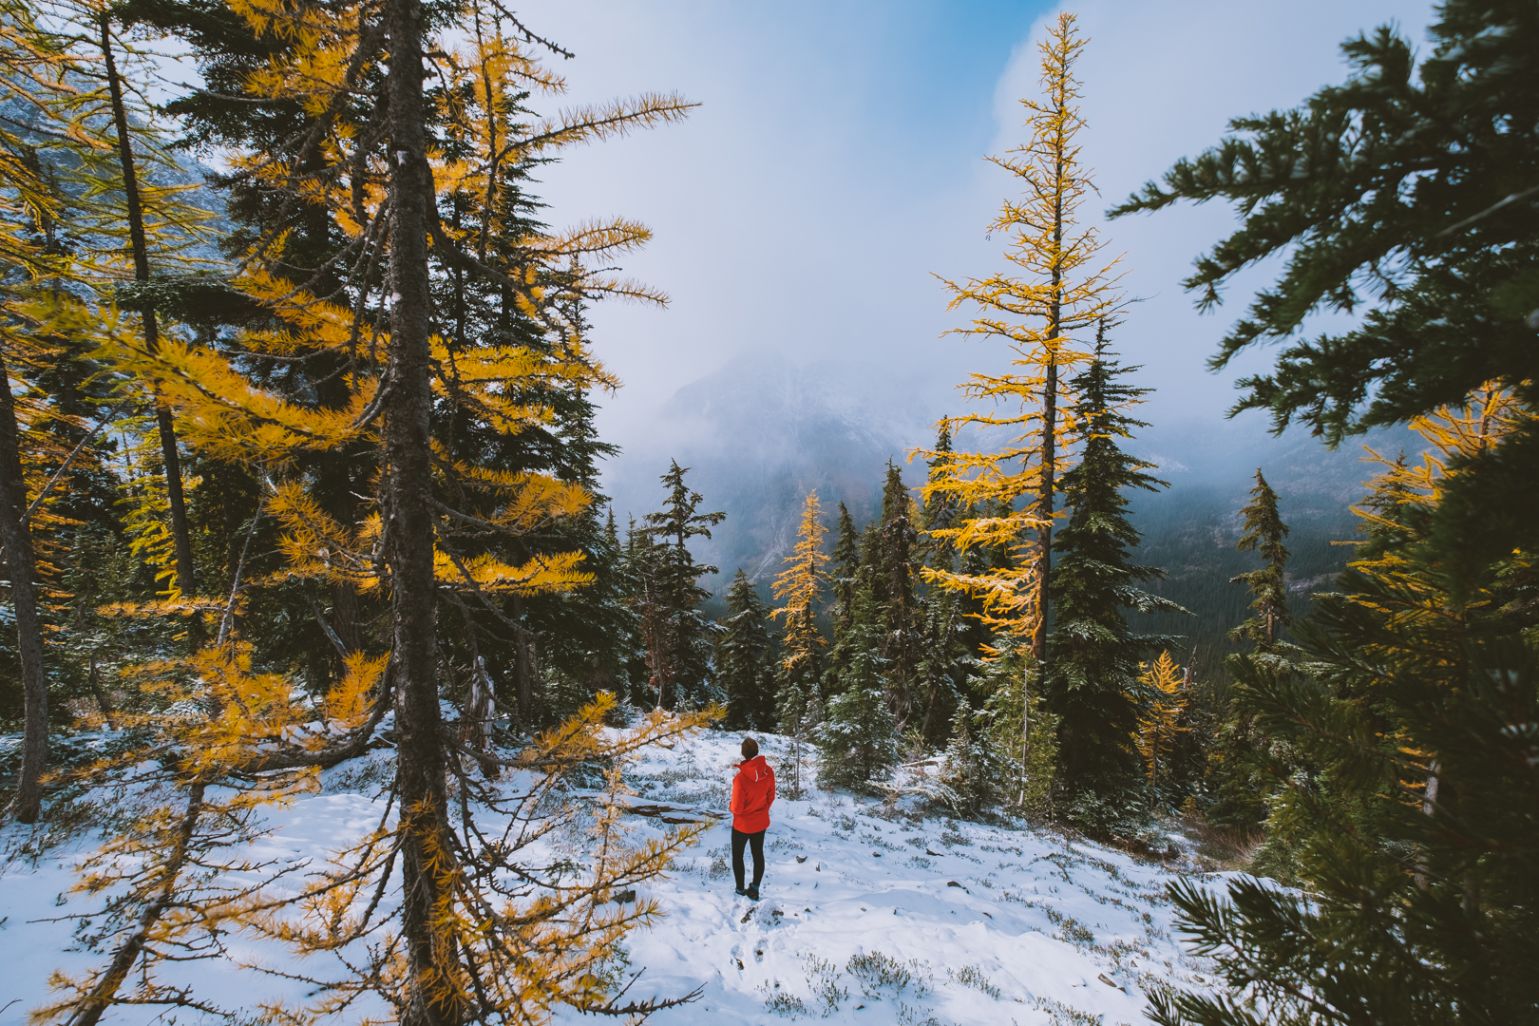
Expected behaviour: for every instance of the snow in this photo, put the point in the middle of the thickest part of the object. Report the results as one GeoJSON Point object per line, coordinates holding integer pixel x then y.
{"type": "Point", "coordinates": [872, 911]}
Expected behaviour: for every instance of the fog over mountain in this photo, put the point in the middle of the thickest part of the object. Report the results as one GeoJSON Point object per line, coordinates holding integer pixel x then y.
{"type": "Point", "coordinates": [759, 433]}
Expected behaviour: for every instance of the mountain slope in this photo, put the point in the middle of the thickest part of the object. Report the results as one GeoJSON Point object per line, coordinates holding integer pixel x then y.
{"type": "Point", "coordinates": [871, 913]}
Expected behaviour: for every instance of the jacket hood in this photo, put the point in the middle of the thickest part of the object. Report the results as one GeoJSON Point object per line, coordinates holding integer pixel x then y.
{"type": "Point", "coordinates": [757, 764]}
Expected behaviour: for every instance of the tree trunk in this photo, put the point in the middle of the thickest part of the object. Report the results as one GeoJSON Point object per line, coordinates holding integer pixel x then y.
{"type": "Point", "coordinates": [523, 668]}
{"type": "Point", "coordinates": [19, 557]}
{"type": "Point", "coordinates": [181, 537]}
{"type": "Point", "coordinates": [1046, 500]}
{"type": "Point", "coordinates": [428, 853]}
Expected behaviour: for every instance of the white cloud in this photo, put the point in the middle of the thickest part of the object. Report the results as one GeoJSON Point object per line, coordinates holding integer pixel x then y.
{"type": "Point", "coordinates": [804, 207]}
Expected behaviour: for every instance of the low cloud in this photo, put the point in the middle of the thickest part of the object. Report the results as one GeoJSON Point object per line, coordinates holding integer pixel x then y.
{"type": "Point", "coordinates": [835, 166]}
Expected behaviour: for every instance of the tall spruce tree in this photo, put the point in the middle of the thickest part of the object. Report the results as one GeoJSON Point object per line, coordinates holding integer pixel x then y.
{"type": "Point", "coordinates": [1264, 533]}
{"type": "Point", "coordinates": [858, 738]}
{"type": "Point", "coordinates": [679, 633]}
{"type": "Point", "coordinates": [1093, 686]}
{"type": "Point", "coordinates": [1406, 800]}
{"type": "Point", "coordinates": [892, 552]}
{"type": "Point", "coordinates": [846, 564]}
{"type": "Point", "coordinates": [953, 634]}
{"type": "Point", "coordinates": [1238, 779]}
{"type": "Point", "coordinates": [745, 659]}
{"type": "Point", "coordinates": [1057, 286]}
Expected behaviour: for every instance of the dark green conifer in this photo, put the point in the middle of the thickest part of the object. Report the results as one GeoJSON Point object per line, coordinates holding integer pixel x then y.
{"type": "Point", "coordinates": [677, 633]}
{"type": "Point", "coordinates": [1093, 686]}
{"type": "Point", "coordinates": [1407, 195]}
{"type": "Point", "coordinates": [858, 738]}
{"type": "Point", "coordinates": [745, 659]}
{"type": "Point", "coordinates": [892, 558]}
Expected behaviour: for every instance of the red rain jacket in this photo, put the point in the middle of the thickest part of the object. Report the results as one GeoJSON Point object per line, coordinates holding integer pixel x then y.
{"type": "Point", "coordinates": [753, 792]}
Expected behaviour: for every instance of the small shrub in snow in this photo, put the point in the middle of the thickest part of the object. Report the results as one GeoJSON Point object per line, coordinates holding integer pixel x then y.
{"type": "Point", "coordinates": [782, 1003]}
{"type": "Point", "coordinates": [874, 970]}
{"type": "Point", "coordinates": [974, 977]}
{"type": "Point", "coordinates": [823, 976]}
{"type": "Point", "coordinates": [908, 1015]}
{"type": "Point", "coordinates": [1070, 930]}
{"type": "Point", "coordinates": [1066, 1015]}
{"type": "Point", "coordinates": [952, 837]}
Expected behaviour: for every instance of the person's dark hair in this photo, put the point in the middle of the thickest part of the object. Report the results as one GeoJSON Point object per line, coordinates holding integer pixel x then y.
{"type": "Point", "coordinates": [750, 748]}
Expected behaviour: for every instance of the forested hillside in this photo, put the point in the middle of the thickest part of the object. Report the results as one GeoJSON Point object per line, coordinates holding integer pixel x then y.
{"type": "Point", "coordinates": [352, 673]}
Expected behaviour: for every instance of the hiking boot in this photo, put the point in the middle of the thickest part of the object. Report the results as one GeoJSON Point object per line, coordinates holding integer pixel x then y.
{"type": "Point", "coordinates": [741, 892]}
{"type": "Point", "coordinates": [753, 892]}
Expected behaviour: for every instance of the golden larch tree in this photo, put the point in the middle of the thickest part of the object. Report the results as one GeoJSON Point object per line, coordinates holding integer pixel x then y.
{"type": "Point", "coordinates": [797, 589]}
{"type": "Point", "coordinates": [1160, 724]}
{"type": "Point", "coordinates": [46, 138]}
{"type": "Point", "coordinates": [475, 925]}
{"type": "Point", "coordinates": [1056, 285]}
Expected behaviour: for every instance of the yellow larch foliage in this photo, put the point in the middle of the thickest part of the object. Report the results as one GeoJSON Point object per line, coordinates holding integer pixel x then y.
{"type": "Point", "coordinates": [1160, 724]}
{"type": "Point", "coordinates": [515, 933]}
{"type": "Point", "coordinates": [1055, 286]}
{"type": "Point", "coordinates": [1426, 621]}
{"type": "Point", "coordinates": [1451, 433]}
{"type": "Point", "coordinates": [144, 506]}
{"type": "Point", "coordinates": [797, 588]}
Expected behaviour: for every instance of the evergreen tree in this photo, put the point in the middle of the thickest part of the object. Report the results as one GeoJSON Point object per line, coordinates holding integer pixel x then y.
{"type": "Point", "coordinates": [973, 775]}
{"type": "Point", "coordinates": [1438, 264]}
{"type": "Point", "coordinates": [1406, 195]}
{"type": "Point", "coordinates": [305, 240]}
{"type": "Point", "coordinates": [940, 509]}
{"type": "Point", "coordinates": [1093, 687]}
{"type": "Point", "coordinates": [952, 637]}
{"type": "Point", "coordinates": [679, 634]}
{"type": "Point", "coordinates": [858, 738]}
{"type": "Point", "coordinates": [1407, 800]}
{"type": "Point", "coordinates": [900, 615]}
{"type": "Point", "coordinates": [846, 564]}
{"type": "Point", "coordinates": [1264, 532]}
{"type": "Point", "coordinates": [1019, 726]}
{"type": "Point", "coordinates": [1238, 779]}
{"type": "Point", "coordinates": [948, 656]}
{"type": "Point", "coordinates": [745, 664]}
{"type": "Point", "coordinates": [1009, 495]}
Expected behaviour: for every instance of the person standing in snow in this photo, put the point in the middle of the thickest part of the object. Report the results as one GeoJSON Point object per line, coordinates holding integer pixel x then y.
{"type": "Point", "coordinates": [753, 792]}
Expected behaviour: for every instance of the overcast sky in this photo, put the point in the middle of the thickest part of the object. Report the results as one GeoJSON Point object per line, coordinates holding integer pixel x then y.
{"type": "Point", "coordinates": [835, 165]}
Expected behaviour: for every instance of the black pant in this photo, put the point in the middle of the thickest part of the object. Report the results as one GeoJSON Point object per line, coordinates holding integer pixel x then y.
{"type": "Point", "coordinates": [739, 841]}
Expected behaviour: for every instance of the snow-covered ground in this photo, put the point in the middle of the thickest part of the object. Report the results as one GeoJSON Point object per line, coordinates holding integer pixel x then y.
{"type": "Point", "coordinates": [871, 913]}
